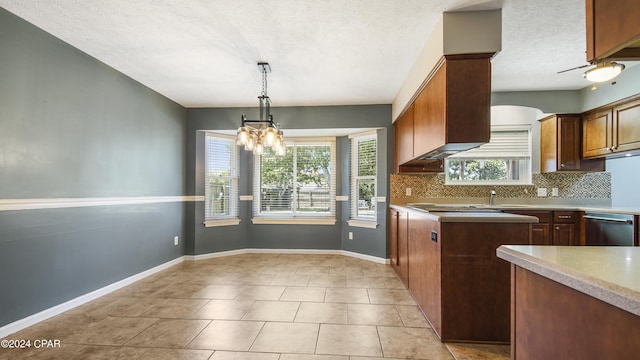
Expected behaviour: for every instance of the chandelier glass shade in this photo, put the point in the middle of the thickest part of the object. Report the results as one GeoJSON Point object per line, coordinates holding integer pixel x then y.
{"type": "Point", "coordinates": [256, 135]}
{"type": "Point", "coordinates": [603, 71]}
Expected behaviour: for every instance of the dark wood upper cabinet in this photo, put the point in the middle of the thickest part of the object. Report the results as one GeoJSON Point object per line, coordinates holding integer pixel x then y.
{"type": "Point", "coordinates": [453, 109]}
{"type": "Point", "coordinates": [627, 126]}
{"type": "Point", "coordinates": [612, 131]}
{"type": "Point", "coordinates": [404, 138]}
{"type": "Point", "coordinates": [560, 150]}
{"type": "Point", "coordinates": [613, 29]}
{"type": "Point", "coordinates": [451, 113]}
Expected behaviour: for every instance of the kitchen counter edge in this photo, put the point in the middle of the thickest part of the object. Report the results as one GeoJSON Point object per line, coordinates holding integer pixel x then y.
{"type": "Point", "coordinates": [618, 295]}
{"type": "Point", "coordinates": [470, 216]}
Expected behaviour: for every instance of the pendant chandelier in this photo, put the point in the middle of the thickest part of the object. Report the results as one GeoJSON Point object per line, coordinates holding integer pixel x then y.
{"type": "Point", "coordinates": [255, 135]}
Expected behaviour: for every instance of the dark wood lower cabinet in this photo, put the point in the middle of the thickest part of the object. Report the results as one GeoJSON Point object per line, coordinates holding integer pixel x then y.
{"type": "Point", "coordinates": [553, 321]}
{"type": "Point", "coordinates": [398, 235]}
{"type": "Point", "coordinates": [564, 234]}
{"type": "Point", "coordinates": [457, 279]}
{"type": "Point", "coordinates": [560, 228]}
{"type": "Point", "coordinates": [541, 234]}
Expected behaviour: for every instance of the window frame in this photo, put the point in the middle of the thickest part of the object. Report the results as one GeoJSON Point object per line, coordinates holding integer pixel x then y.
{"type": "Point", "coordinates": [233, 217]}
{"type": "Point", "coordinates": [524, 162]}
{"type": "Point", "coordinates": [324, 218]}
{"type": "Point", "coordinates": [355, 219]}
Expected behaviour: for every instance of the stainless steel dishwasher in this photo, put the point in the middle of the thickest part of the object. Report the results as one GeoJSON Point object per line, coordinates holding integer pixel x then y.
{"type": "Point", "coordinates": [609, 229]}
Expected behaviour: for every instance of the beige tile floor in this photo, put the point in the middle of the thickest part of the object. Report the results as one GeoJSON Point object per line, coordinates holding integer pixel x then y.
{"type": "Point", "coordinates": [253, 307]}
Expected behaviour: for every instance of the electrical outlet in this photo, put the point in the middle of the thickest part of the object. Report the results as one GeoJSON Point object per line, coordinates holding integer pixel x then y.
{"type": "Point", "coordinates": [408, 191]}
{"type": "Point", "coordinates": [542, 192]}
{"type": "Point", "coordinates": [175, 240]}
{"type": "Point", "coordinates": [350, 235]}
{"type": "Point", "coordinates": [554, 191]}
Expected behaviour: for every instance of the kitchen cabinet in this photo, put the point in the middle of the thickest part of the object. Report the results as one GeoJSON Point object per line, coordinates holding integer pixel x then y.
{"type": "Point", "coordinates": [554, 227]}
{"type": "Point", "coordinates": [425, 268]}
{"type": "Point", "coordinates": [456, 278]}
{"type": "Point", "coordinates": [613, 29]}
{"type": "Point", "coordinates": [452, 112]}
{"type": "Point", "coordinates": [560, 145]}
{"type": "Point", "coordinates": [612, 131]}
{"type": "Point", "coordinates": [398, 236]}
{"type": "Point", "coordinates": [557, 314]}
{"type": "Point", "coordinates": [403, 138]}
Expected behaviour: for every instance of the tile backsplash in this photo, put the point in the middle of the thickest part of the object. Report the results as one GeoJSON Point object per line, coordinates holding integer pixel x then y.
{"type": "Point", "coordinates": [571, 185]}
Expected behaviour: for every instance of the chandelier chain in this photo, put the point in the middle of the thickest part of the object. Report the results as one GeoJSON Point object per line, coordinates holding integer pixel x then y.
{"type": "Point", "coordinates": [264, 83]}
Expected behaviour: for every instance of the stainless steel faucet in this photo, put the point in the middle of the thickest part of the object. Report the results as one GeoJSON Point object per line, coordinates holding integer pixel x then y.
{"type": "Point", "coordinates": [492, 198]}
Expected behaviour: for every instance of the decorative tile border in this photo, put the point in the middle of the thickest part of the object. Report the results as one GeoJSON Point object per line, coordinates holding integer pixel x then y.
{"type": "Point", "coordinates": [580, 185]}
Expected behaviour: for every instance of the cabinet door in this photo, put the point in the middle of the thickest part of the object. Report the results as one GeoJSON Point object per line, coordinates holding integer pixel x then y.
{"type": "Point", "coordinates": [404, 138]}
{"type": "Point", "coordinates": [568, 142]}
{"type": "Point", "coordinates": [548, 144]}
{"type": "Point", "coordinates": [393, 238]}
{"type": "Point", "coordinates": [429, 124]}
{"type": "Point", "coordinates": [564, 234]}
{"type": "Point", "coordinates": [424, 267]}
{"type": "Point", "coordinates": [403, 247]}
{"type": "Point", "coordinates": [541, 234]}
{"type": "Point", "coordinates": [626, 135]}
{"type": "Point", "coordinates": [597, 133]}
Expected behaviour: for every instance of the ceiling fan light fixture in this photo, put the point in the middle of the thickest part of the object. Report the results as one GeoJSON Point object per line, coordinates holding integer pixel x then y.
{"type": "Point", "coordinates": [603, 71]}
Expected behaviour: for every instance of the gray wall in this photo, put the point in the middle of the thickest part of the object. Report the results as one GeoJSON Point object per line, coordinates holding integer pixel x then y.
{"type": "Point", "coordinates": [70, 126]}
{"type": "Point", "coordinates": [247, 235]}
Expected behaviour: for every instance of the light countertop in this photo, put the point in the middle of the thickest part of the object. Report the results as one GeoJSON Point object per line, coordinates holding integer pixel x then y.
{"type": "Point", "coordinates": [629, 210]}
{"type": "Point", "coordinates": [608, 273]}
{"type": "Point", "coordinates": [474, 217]}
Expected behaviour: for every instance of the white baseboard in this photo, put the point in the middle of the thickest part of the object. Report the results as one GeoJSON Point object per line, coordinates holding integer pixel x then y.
{"type": "Point", "coordinates": [58, 309]}
{"type": "Point", "coordinates": [374, 259]}
{"type": "Point", "coordinates": [215, 255]}
{"type": "Point", "coordinates": [66, 306]}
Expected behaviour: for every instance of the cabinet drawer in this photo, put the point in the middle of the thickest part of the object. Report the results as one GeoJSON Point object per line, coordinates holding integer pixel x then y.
{"type": "Point", "coordinates": [564, 217]}
{"type": "Point", "coordinates": [543, 216]}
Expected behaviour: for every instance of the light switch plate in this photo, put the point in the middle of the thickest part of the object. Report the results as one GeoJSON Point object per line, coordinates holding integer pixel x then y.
{"type": "Point", "coordinates": [554, 191]}
{"type": "Point", "coordinates": [408, 191]}
{"type": "Point", "coordinates": [542, 192]}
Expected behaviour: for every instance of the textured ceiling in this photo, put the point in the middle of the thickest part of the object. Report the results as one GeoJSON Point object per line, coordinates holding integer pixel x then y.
{"type": "Point", "coordinates": [325, 52]}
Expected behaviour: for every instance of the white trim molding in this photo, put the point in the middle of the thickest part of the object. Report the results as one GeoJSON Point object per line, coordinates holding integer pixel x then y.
{"type": "Point", "coordinates": [58, 203]}
{"type": "Point", "coordinates": [371, 258]}
{"type": "Point", "coordinates": [68, 305]}
{"type": "Point", "coordinates": [221, 222]}
{"type": "Point", "coordinates": [293, 221]}
{"type": "Point", "coordinates": [369, 224]}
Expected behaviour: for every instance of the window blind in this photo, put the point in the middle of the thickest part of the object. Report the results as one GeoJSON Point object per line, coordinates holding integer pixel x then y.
{"type": "Point", "coordinates": [300, 184]}
{"type": "Point", "coordinates": [364, 159]}
{"type": "Point", "coordinates": [506, 143]}
{"type": "Point", "coordinates": [221, 177]}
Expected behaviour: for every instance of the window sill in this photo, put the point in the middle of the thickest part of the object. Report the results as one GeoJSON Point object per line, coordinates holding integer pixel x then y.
{"type": "Point", "coordinates": [362, 223]}
{"type": "Point", "coordinates": [294, 221]}
{"type": "Point", "coordinates": [221, 222]}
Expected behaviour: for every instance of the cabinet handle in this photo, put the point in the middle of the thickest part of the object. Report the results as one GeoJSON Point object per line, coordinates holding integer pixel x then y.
{"type": "Point", "coordinates": [564, 216]}
{"type": "Point", "coordinates": [561, 165]}
{"type": "Point", "coordinates": [557, 227]}
{"type": "Point", "coordinates": [611, 148]}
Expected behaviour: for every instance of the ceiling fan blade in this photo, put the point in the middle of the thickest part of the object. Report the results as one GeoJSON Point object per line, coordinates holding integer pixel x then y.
{"type": "Point", "coordinates": [574, 68]}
